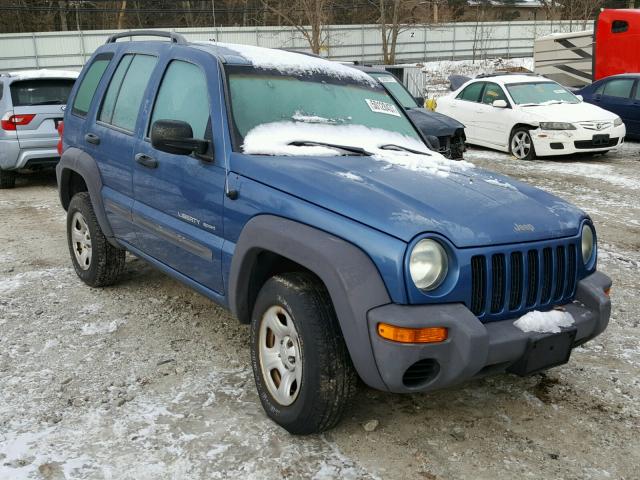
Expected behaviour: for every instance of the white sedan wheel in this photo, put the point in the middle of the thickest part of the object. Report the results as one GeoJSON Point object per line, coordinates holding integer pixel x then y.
{"type": "Point", "coordinates": [521, 144]}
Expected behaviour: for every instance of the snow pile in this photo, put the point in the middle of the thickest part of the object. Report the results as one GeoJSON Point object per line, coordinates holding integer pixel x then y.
{"type": "Point", "coordinates": [495, 181]}
{"type": "Point", "coordinates": [274, 138]}
{"type": "Point", "coordinates": [43, 73]}
{"type": "Point", "coordinates": [294, 63]}
{"type": "Point", "coordinates": [350, 176]}
{"type": "Point", "coordinates": [544, 322]}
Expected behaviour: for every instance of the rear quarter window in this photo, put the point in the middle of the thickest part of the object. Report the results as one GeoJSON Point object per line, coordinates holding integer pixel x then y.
{"type": "Point", "coordinates": [41, 91]}
{"type": "Point", "coordinates": [89, 84]}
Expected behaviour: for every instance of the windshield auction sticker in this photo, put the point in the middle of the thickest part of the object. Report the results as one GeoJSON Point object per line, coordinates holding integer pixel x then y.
{"type": "Point", "coordinates": [382, 107]}
{"type": "Point", "coordinates": [387, 79]}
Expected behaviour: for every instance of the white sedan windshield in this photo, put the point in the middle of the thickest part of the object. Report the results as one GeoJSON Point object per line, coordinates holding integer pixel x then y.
{"type": "Point", "coordinates": [539, 93]}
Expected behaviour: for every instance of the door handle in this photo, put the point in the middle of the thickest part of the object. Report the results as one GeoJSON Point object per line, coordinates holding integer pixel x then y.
{"type": "Point", "coordinates": [92, 138]}
{"type": "Point", "coordinates": [146, 160]}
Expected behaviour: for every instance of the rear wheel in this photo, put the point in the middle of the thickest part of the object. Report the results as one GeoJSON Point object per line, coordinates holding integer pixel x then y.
{"type": "Point", "coordinates": [95, 260]}
{"type": "Point", "coordinates": [7, 179]}
{"type": "Point", "coordinates": [301, 365]}
{"type": "Point", "coordinates": [521, 144]}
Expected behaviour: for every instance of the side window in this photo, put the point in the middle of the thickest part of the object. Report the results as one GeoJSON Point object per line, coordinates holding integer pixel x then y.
{"type": "Point", "coordinates": [619, 88]}
{"type": "Point", "coordinates": [122, 101]}
{"type": "Point", "coordinates": [472, 92]}
{"type": "Point", "coordinates": [183, 96]}
{"type": "Point", "coordinates": [619, 26]}
{"type": "Point", "coordinates": [89, 84]}
{"type": "Point", "coordinates": [492, 93]}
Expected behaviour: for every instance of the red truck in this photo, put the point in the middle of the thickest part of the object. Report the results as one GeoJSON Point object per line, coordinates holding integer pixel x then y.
{"type": "Point", "coordinates": [579, 58]}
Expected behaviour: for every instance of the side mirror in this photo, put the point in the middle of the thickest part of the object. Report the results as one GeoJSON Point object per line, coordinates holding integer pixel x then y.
{"type": "Point", "coordinates": [580, 97]}
{"type": "Point", "coordinates": [176, 136]}
{"type": "Point", "coordinates": [419, 101]}
{"type": "Point", "coordinates": [500, 103]}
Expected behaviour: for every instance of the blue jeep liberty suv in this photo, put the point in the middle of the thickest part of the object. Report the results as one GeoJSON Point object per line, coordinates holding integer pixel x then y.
{"type": "Point", "coordinates": [296, 192]}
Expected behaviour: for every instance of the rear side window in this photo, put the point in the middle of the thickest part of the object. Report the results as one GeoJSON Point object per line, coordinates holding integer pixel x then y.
{"type": "Point", "coordinates": [472, 92]}
{"type": "Point", "coordinates": [183, 96]}
{"type": "Point", "coordinates": [619, 88]}
{"type": "Point", "coordinates": [89, 84]}
{"type": "Point", "coordinates": [123, 98]}
{"type": "Point", "coordinates": [619, 26]}
{"type": "Point", "coordinates": [41, 91]}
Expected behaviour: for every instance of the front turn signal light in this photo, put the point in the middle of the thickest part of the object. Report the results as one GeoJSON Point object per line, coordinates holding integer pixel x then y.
{"type": "Point", "coordinates": [412, 335]}
{"type": "Point", "coordinates": [607, 291]}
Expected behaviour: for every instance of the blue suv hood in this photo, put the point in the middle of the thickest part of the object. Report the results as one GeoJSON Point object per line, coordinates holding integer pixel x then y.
{"type": "Point", "coordinates": [473, 207]}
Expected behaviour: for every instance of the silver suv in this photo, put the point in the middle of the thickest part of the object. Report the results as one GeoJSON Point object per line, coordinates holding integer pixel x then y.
{"type": "Point", "coordinates": [32, 103]}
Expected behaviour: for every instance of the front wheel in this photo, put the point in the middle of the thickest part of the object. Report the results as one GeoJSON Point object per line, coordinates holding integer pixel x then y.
{"type": "Point", "coordinates": [301, 365]}
{"type": "Point", "coordinates": [521, 144]}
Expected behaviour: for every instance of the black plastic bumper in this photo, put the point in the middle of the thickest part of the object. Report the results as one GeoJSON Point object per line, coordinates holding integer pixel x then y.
{"type": "Point", "coordinates": [473, 348]}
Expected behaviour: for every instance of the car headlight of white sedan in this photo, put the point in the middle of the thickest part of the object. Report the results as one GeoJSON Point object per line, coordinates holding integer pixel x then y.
{"type": "Point", "coordinates": [617, 122]}
{"type": "Point", "coordinates": [557, 126]}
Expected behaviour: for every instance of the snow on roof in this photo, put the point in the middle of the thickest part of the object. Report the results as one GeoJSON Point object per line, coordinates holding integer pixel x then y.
{"type": "Point", "coordinates": [290, 62]}
{"type": "Point", "coordinates": [43, 73]}
{"type": "Point", "coordinates": [274, 138]}
{"type": "Point", "coordinates": [559, 35]}
{"type": "Point", "coordinates": [509, 79]}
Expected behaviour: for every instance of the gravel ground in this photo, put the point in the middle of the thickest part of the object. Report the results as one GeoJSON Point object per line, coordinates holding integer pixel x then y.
{"type": "Point", "coordinates": [148, 379]}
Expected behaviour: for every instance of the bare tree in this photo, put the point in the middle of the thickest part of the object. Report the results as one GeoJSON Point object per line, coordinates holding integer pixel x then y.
{"type": "Point", "coordinates": [581, 10]}
{"type": "Point", "coordinates": [308, 17]}
{"type": "Point", "coordinates": [396, 16]}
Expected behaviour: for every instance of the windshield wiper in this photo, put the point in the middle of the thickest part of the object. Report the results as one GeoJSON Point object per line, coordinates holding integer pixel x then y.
{"type": "Point", "coordinates": [391, 146]}
{"type": "Point", "coordinates": [346, 148]}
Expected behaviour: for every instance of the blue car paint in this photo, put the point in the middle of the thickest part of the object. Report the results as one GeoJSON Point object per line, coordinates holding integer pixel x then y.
{"type": "Point", "coordinates": [628, 109]}
{"type": "Point", "coordinates": [384, 213]}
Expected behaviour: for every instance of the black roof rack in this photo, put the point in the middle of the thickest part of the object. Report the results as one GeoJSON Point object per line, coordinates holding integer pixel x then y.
{"type": "Point", "coordinates": [175, 37]}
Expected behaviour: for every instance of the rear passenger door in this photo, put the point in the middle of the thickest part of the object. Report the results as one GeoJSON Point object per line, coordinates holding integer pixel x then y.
{"type": "Point", "coordinates": [464, 109]}
{"type": "Point", "coordinates": [179, 198]}
{"type": "Point", "coordinates": [111, 138]}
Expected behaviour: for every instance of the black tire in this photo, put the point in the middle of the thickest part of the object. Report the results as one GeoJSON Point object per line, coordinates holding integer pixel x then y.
{"type": "Point", "coordinates": [106, 262]}
{"type": "Point", "coordinates": [457, 148]}
{"type": "Point", "coordinates": [531, 154]}
{"type": "Point", "coordinates": [7, 179]}
{"type": "Point", "coordinates": [328, 377]}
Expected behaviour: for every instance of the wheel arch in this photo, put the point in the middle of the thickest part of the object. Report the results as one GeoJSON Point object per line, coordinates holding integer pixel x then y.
{"type": "Point", "coordinates": [274, 244]}
{"type": "Point", "coordinates": [77, 172]}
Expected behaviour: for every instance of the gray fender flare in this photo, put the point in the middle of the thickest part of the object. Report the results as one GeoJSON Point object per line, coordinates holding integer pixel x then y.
{"type": "Point", "coordinates": [351, 278]}
{"type": "Point", "coordinates": [75, 160]}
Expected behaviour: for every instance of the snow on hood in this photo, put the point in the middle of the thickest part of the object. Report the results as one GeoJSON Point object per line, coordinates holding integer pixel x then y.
{"type": "Point", "coordinates": [293, 63]}
{"type": "Point", "coordinates": [43, 73]}
{"type": "Point", "coordinates": [274, 138]}
{"type": "Point", "coordinates": [568, 112]}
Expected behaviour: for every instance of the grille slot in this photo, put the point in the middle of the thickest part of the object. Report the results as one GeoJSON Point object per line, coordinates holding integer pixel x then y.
{"type": "Point", "coordinates": [571, 270]}
{"type": "Point", "coordinates": [478, 283]}
{"type": "Point", "coordinates": [560, 273]}
{"type": "Point", "coordinates": [547, 275]}
{"type": "Point", "coordinates": [497, 282]}
{"type": "Point", "coordinates": [515, 297]}
{"type": "Point", "coordinates": [532, 292]}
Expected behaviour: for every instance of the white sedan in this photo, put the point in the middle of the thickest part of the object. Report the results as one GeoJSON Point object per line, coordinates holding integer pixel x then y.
{"type": "Point", "coordinates": [530, 116]}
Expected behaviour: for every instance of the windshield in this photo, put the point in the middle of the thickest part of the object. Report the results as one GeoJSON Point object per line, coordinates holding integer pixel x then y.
{"type": "Point", "coordinates": [52, 91]}
{"type": "Point", "coordinates": [538, 93]}
{"type": "Point", "coordinates": [263, 97]}
{"type": "Point", "coordinates": [396, 89]}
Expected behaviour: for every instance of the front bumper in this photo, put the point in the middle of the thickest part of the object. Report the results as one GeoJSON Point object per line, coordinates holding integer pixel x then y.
{"type": "Point", "coordinates": [473, 348]}
{"type": "Point", "coordinates": [566, 142]}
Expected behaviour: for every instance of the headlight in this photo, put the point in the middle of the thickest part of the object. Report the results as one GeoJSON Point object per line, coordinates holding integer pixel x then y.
{"type": "Point", "coordinates": [557, 126]}
{"type": "Point", "coordinates": [617, 122]}
{"type": "Point", "coordinates": [588, 244]}
{"type": "Point", "coordinates": [428, 264]}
